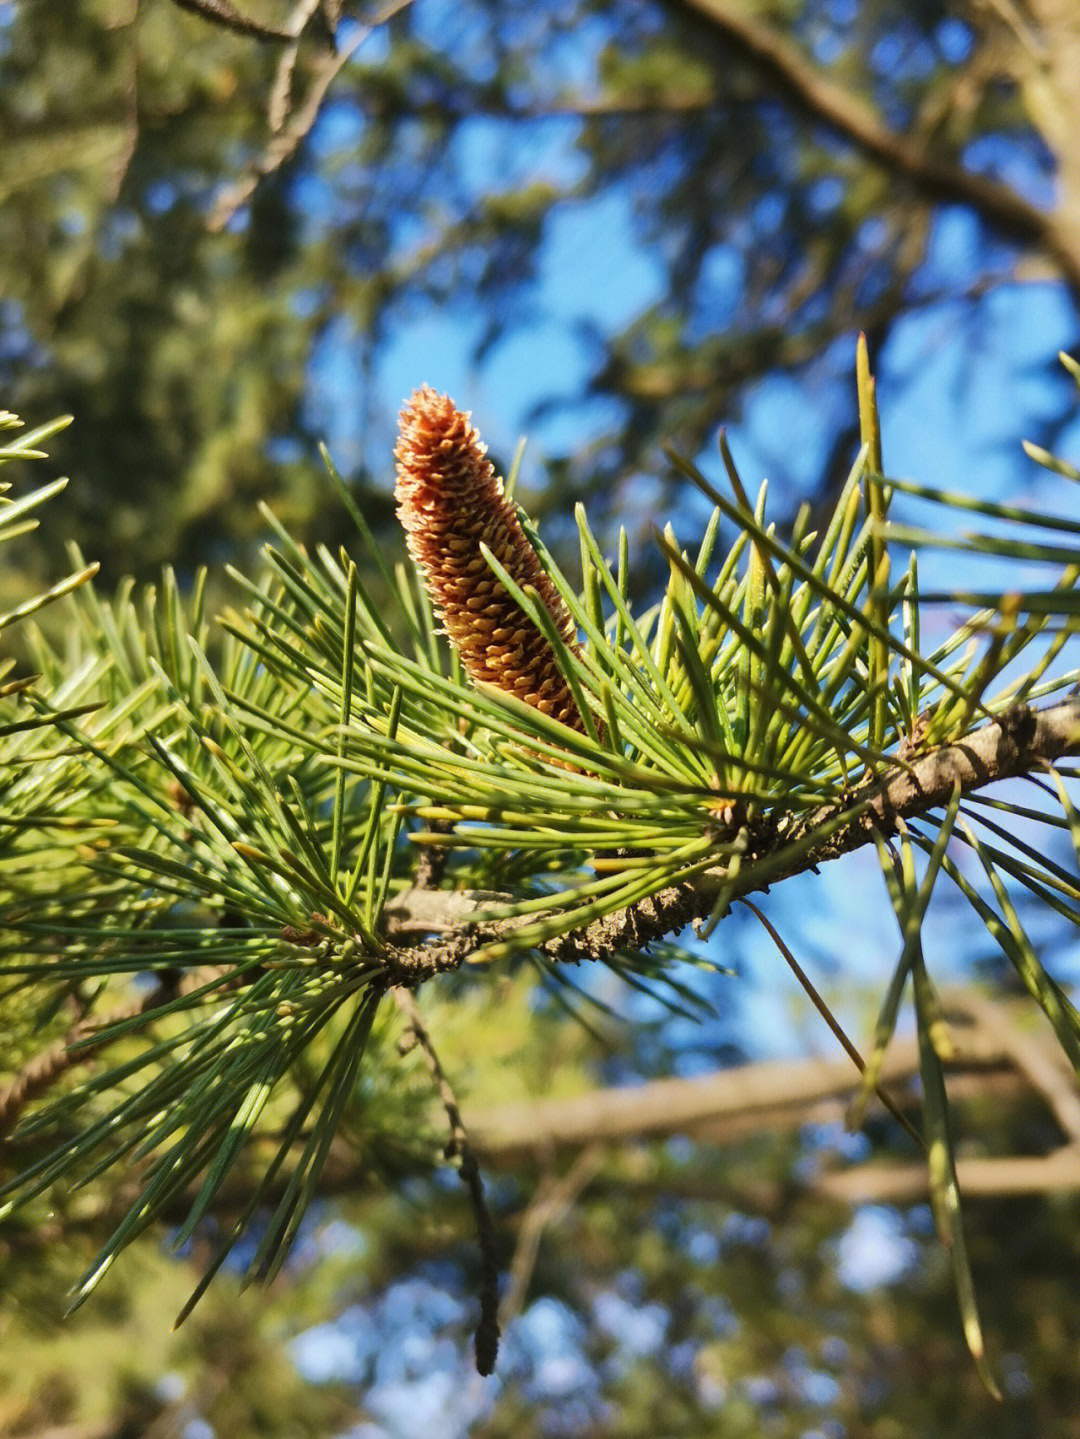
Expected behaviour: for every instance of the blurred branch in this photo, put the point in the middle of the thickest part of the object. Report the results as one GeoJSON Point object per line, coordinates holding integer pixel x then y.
{"type": "Point", "coordinates": [773, 1095]}
{"type": "Point", "coordinates": [280, 103]}
{"type": "Point", "coordinates": [221, 12]}
{"type": "Point", "coordinates": [853, 119]}
{"type": "Point", "coordinates": [988, 1178]}
{"type": "Point", "coordinates": [288, 130]}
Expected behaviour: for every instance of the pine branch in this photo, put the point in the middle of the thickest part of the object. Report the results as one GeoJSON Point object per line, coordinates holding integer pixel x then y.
{"type": "Point", "coordinates": [241, 820]}
{"type": "Point", "coordinates": [1024, 741]}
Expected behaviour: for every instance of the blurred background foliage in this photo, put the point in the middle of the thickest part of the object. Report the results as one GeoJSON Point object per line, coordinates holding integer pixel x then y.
{"type": "Point", "coordinates": [642, 220]}
{"type": "Point", "coordinates": [721, 216]}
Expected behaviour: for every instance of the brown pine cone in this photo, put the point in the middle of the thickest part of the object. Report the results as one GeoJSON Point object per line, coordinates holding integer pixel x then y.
{"type": "Point", "coordinates": [449, 500]}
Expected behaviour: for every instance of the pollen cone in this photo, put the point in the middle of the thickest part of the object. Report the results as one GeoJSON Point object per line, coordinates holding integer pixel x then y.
{"type": "Point", "coordinates": [449, 500]}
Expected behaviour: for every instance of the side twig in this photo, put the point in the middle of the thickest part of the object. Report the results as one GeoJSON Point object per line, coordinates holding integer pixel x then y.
{"type": "Point", "coordinates": [294, 126]}
{"type": "Point", "coordinates": [487, 1330]}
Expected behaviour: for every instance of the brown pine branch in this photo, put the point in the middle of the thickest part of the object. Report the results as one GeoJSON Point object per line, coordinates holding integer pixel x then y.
{"type": "Point", "coordinates": [1022, 741]}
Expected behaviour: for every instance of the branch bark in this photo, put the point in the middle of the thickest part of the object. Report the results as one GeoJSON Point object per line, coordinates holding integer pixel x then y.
{"type": "Point", "coordinates": [778, 1096]}
{"type": "Point", "coordinates": [988, 1178]}
{"type": "Point", "coordinates": [773, 1095]}
{"type": "Point", "coordinates": [1021, 741]}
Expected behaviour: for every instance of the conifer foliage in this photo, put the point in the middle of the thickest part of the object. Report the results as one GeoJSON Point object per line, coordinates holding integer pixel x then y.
{"type": "Point", "coordinates": [231, 852]}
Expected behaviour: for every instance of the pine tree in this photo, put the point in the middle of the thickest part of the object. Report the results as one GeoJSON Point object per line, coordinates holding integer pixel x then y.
{"type": "Point", "coordinates": [233, 854]}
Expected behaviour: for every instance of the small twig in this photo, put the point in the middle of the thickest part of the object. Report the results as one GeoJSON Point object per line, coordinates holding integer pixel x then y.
{"type": "Point", "coordinates": [285, 141]}
{"type": "Point", "coordinates": [221, 12]}
{"type": "Point", "coordinates": [487, 1330]}
{"type": "Point", "coordinates": [553, 1198]}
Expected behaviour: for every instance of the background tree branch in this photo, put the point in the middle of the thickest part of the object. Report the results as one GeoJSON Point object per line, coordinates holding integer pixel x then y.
{"type": "Point", "coordinates": [786, 68]}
